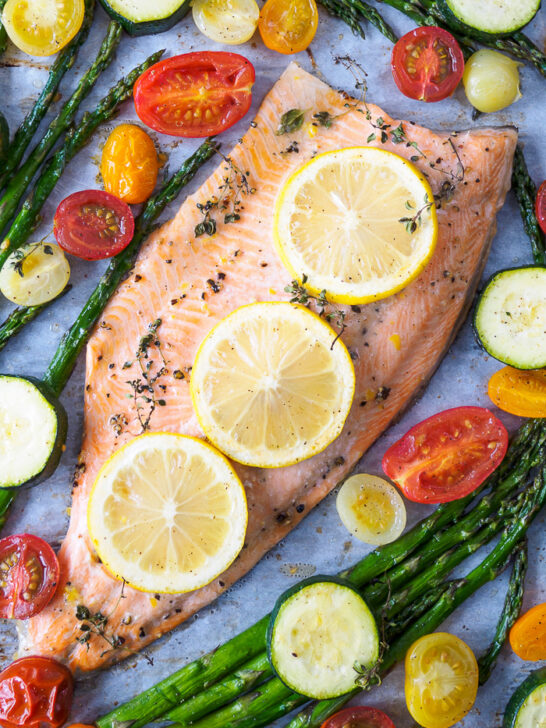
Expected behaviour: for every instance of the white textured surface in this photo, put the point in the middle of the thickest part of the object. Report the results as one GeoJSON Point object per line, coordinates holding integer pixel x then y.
{"type": "Point", "coordinates": [321, 543]}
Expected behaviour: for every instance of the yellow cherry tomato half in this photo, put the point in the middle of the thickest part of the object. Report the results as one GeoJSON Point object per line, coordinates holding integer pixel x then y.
{"type": "Point", "coordinates": [371, 509]}
{"type": "Point", "coordinates": [520, 392]}
{"type": "Point", "coordinates": [441, 680]}
{"type": "Point", "coordinates": [226, 21]}
{"type": "Point", "coordinates": [129, 164]}
{"type": "Point", "coordinates": [42, 27]}
{"type": "Point", "coordinates": [288, 26]}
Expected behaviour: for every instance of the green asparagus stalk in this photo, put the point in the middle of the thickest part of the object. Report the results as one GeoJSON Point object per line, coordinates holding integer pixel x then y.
{"type": "Point", "coordinates": [353, 12]}
{"type": "Point", "coordinates": [195, 676]}
{"type": "Point", "coordinates": [19, 318]}
{"type": "Point", "coordinates": [63, 63]}
{"type": "Point", "coordinates": [415, 609]}
{"type": "Point", "coordinates": [22, 178]}
{"type": "Point", "coordinates": [74, 141]}
{"type": "Point", "coordinates": [509, 614]}
{"type": "Point", "coordinates": [526, 192]}
{"type": "Point", "coordinates": [3, 34]}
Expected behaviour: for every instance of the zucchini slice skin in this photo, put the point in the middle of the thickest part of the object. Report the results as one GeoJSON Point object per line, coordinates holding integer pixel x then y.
{"type": "Point", "coordinates": [527, 706]}
{"type": "Point", "coordinates": [510, 317]}
{"type": "Point", "coordinates": [43, 469]}
{"type": "Point", "coordinates": [489, 18]}
{"type": "Point", "coordinates": [317, 632]}
{"type": "Point", "coordinates": [169, 12]}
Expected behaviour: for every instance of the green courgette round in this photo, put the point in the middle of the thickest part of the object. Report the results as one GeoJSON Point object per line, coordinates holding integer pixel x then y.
{"type": "Point", "coordinates": [527, 706]}
{"type": "Point", "coordinates": [146, 17]}
{"type": "Point", "coordinates": [487, 18]}
{"type": "Point", "coordinates": [319, 630]}
{"type": "Point", "coordinates": [510, 317]}
{"type": "Point", "coordinates": [34, 426]}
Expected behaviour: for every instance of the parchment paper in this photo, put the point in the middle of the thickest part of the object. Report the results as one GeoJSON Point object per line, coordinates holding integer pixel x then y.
{"type": "Point", "coordinates": [320, 544]}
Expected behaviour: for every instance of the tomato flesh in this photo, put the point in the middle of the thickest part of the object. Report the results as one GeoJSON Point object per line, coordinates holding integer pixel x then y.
{"type": "Point", "coordinates": [288, 26]}
{"type": "Point", "coordinates": [195, 94]}
{"type": "Point", "coordinates": [43, 28]}
{"type": "Point", "coordinates": [29, 574]}
{"type": "Point", "coordinates": [448, 455]}
{"type": "Point", "coordinates": [129, 165]}
{"type": "Point", "coordinates": [35, 692]}
{"type": "Point", "coordinates": [427, 64]}
{"type": "Point", "coordinates": [521, 392]}
{"type": "Point", "coordinates": [528, 635]}
{"type": "Point", "coordinates": [359, 717]}
{"type": "Point", "coordinates": [93, 225]}
{"type": "Point", "coordinates": [540, 207]}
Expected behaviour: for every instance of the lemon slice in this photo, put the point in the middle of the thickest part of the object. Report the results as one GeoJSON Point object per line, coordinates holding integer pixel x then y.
{"type": "Point", "coordinates": [268, 386]}
{"type": "Point", "coordinates": [344, 221]}
{"type": "Point", "coordinates": [167, 513]}
{"type": "Point", "coordinates": [34, 274]}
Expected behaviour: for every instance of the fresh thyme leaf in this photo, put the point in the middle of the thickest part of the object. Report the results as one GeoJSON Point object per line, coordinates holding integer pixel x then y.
{"type": "Point", "coordinates": [291, 121]}
{"type": "Point", "coordinates": [82, 612]}
{"type": "Point", "coordinates": [48, 250]}
{"type": "Point", "coordinates": [231, 217]}
{"type": "Point", "coordinates": [207, 227]}
{"type": "Point", "coordinates": [371, 138]}
{"type": "Point", "coordinates": [398, 135]}
{"type": "Point", "coordinates": [324, 118]}
{"type": "Point", "coordinates": [301, 295]}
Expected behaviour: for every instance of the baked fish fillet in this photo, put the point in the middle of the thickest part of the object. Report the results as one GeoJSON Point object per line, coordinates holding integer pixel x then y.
{"type": "Point", "coordinates": [191, 282]}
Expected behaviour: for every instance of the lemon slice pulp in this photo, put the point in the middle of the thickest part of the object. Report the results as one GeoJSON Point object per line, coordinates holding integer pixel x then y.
{"type": "Point", "coordinates": [360, 223]}
{"type": "Point", "coordinates": [269, 386]}
{"type": "Point", "coordinates": [167, 513]}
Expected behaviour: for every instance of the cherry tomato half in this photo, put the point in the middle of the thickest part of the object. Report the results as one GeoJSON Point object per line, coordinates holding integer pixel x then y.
{"type": "Point", "coordinates": [540, 207]}
{"type": "Point", "coordinates": [518, 391]}
{"type": "Point", "coordinates": [288, 26]}
{"type": "Point", "coordinates": [93, 225]}
{"type": "Point", "coordinates": [528, 635]}
{"type": "Point", "coordinates": [196, 94]}
{"type": "Point", "coordinates": [29, 574]}
{"type": "Point", "coordinates": [448, 455]}
{"type": "Point", "coordinates": [129, 165]}
{"type": "Point", "coordinates": [427, 64]}
{"type": "Point", "coordinates": [35, 691]}
{"type": "Point", "coordinates": [359, 717]}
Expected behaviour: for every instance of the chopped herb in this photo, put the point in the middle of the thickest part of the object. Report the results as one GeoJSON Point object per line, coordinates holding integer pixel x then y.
{"type": "Point", "coordinates": [324, 118]}
{"type": "Point", "coordinates": [143, 390]}
{"type": "Point", "coordinates": [291, 121]}
{"type": "Point", "coordinates": [300, 294]}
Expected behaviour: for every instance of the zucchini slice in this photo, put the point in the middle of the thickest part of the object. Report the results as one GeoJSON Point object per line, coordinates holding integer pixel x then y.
{"type": "Point", "coordinates": [527, 706]}
{"type": "Point", "coordinates": [510, 318]}
{"type": "Point", "coordinates": [319, 630]}
{"type": "Point", "coordinates": [33, 428]}
{"type": "Point", "coordinates": [146, 17]}
{"type": "Point", "coordinates": [490, 17]}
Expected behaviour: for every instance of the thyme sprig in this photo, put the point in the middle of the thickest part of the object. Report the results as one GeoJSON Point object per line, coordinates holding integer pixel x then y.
{"type": "Point", "coordinates": [229, 202]}
{"type": "Point", "coordinates": [143, 389]}
{"type": "Point", "coordinates": [23, 254]}
{"type": "Point", "coordinates": [415, 221]}
{"type": "Point", "coordinates": [300, 294]}
{"type": "Point", "coordinates": [291, 120]}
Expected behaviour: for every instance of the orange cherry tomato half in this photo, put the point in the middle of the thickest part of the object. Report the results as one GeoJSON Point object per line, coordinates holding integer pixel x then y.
{"type": "Point", "coordinates": [427, 64]}
{"type": "Point", "coordinates": [196, 94]}
{"type": "Point", "coordinates": [35, 692]}
{"type": "Point", "coordinates": [528, 635]}
{"type": "Point", "coordinates": [30, 574]}
{"type": "Point", "coordinates": [540, 206]}
{"type": "Point", "coordinates": [129, 164]}
{"type": "Point", "coordinates": [93, 225]}
{"type": "Point", "coordinates": [288, 26]}
{"type": "Point", "coordinates": [448, 455]}
{"type": "Point", "coordinates": [520, 392]}
{"type": "Point", "coordinates": [359, 717]}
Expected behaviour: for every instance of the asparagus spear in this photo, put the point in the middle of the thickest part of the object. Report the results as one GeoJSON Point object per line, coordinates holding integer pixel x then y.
{"type": "Point", "coordinates": [19, 317]}
{"type": "Point", "coordinates": [195, 676]}
{"type": "Point", "coordinates": [352, 11]}
{"type": "Point", "coordinates": [74, 141]}
{"type": "Point", "coordinates": [510, 612]}
{"type": "Point", "coordinates": [67, 352]}
{"type": "Point", "coordinates": [64, 61]}
{"type": "Point", "coordinates": [22, 178]}
{"type": "Point", "coordinates": [526, 192]}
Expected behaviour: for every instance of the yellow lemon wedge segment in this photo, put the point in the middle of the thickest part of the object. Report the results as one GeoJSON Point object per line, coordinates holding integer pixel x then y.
{"type": "Point", "coordinates": [269, 385]}
{"type": "Point", "coordinates": [167, 513]}
{"type": "Point", "coordinates": [359, 223]}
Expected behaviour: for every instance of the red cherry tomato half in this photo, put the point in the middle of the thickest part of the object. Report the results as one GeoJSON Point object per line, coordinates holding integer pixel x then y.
{"type": "Point", "coordinates": [427, 64]}
{"type": "Point", "coordinates": [540, 207]}
{"type": "Point", "coordinates": [359, 717]}
{"type": "Point", "coordinates": [196, 94]}
{"type": "Point", "coordinates": [29, 574]}
{"type": "Point", "coordinates": [35, 692]}
{"type": "Point", "coordinates": [448, 455]}
{"type": "Point", "coordinates": [93, 225]}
